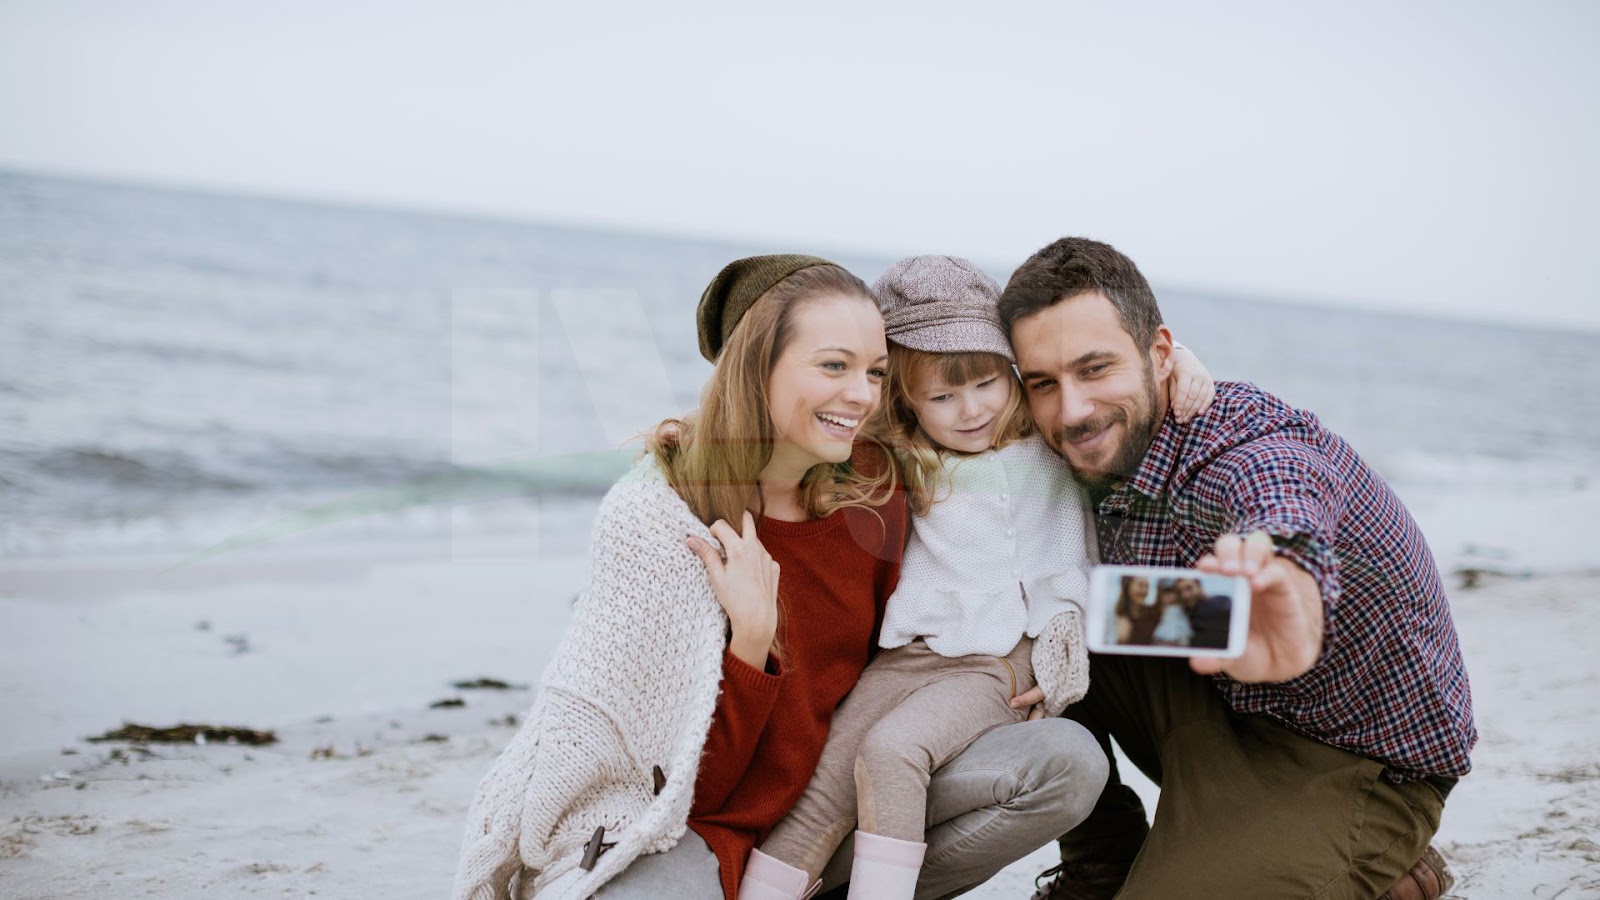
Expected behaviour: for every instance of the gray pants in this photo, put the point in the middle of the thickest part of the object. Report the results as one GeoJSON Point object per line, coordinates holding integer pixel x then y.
{"type": "Point", "coordinates": [1014, 790]}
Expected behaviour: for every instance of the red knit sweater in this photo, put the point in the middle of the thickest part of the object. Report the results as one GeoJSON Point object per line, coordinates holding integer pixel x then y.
{"type": "Point", "coordinates": [769, 727]}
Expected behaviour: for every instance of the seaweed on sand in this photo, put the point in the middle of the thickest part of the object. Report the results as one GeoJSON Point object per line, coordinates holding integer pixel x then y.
{"type": "Point", "coordinates": [187, 734]}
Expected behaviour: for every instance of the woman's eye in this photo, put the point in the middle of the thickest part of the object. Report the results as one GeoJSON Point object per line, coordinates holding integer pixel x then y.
{"type": "Point", "coordinates": [878, 374]}
{"type": "Point", "coordinates": [940, 399]}
{"type": "Point", "coordinates": [834, 366]}
{"type": "Point", "coordinates": [984, 384]}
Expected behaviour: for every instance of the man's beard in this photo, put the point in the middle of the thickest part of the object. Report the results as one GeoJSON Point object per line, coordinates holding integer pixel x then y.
{"type": "Point", "coordinates": [1139, 433]}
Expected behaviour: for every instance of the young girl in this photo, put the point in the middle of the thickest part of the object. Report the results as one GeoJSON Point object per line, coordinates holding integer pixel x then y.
{"type": "Point", "coordinates": [1174, 630]}
{"type": "Point", "coordinates": [989, 595]}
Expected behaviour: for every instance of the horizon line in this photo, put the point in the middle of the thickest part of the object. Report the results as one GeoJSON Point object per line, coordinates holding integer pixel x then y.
{"type": "Point", "coordinates": [1342, 303]}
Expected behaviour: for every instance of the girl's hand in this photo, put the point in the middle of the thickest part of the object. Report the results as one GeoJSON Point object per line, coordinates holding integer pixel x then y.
{"type": "Point", "coordinates": [1192, 387]}
{"type": "Point", "coordinates": [1033, 700]}
{"type": "Point", "coordinates": [746, 584]}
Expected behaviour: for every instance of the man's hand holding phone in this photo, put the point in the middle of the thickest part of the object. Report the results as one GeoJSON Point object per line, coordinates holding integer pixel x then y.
{"type": "Point", "coordinates": [1285, 630]}
{"type": "Point", "coordinates": [1242, 611]}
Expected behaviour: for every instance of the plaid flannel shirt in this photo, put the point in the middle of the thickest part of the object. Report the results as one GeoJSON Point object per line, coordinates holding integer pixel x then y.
{"type": "Point", "coordinates": [1390, 683]}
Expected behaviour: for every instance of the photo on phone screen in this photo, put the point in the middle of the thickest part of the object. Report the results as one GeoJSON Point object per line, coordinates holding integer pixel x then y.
{"type": "Point", "coordinates": [1167, 612]}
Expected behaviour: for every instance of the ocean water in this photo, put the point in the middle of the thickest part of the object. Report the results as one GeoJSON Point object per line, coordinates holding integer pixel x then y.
{"type": "Point", "coordinates": [185, 371]}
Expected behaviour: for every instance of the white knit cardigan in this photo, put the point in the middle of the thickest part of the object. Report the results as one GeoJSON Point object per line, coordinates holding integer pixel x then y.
{"type": "Point", "coordinates": [633, 686]}
{"type": "Point", "coordinates": [1004, 552]}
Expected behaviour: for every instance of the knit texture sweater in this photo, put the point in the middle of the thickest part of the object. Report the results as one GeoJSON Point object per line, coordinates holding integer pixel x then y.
{"type": "Point", "coordinates": [634, 686]}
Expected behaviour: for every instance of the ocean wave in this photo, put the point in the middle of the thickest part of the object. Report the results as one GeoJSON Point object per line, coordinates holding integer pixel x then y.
{"type": "Point", "coordinates": [171, 352]}
{"type": "Point", "coordinates": [159, 471]}
{"type": "Point", "coordinates": [491, 500]}
{"type": "Point", "coordinates": [1512, 515]}
{"type": "Point", "coordinates": [1490, 473]}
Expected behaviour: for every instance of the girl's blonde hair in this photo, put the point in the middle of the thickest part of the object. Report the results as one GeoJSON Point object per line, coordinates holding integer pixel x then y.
{"type": "Point", "coordinates": [921, 459]}
{"type": "Point", "coordinates": [713, 457]}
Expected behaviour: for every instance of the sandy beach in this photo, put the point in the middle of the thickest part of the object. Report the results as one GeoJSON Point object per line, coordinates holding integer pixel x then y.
{"type": "Point", "coordinates": [342, 653]}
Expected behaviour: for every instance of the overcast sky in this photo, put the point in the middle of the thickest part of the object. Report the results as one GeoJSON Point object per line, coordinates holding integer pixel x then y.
{"type": "Point", "coordinates": [1436, 156]}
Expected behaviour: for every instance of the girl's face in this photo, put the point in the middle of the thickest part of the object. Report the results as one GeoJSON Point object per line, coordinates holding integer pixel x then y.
{"type": "Point", "coordinates": [960, 417]}
{"type": "Point", "coordinates": [826, 382]}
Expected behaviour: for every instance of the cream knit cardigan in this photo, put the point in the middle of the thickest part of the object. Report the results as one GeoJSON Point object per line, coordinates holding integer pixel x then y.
{"type": "Point", "coordinates": [633, 686]}
{"type": "Point", "coordinates": [1003, 553]}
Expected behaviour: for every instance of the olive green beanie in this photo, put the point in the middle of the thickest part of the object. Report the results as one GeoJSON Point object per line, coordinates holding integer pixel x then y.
{"type": "Point", "coordinates": [740, 283]}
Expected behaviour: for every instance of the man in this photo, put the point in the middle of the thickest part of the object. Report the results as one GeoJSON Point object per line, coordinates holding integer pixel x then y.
{"type": "Point", "coordinates": [1315, 764]}
{"type": "Point", "coordinates": [1208, 616]}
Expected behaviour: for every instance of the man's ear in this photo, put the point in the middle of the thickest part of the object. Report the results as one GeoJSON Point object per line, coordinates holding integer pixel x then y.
{"type": "Point", "coordinates": [1161, 354]}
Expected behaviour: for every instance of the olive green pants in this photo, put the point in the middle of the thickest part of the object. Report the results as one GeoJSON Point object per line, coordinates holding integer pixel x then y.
{"type": "Point", "coordinates": [1248, 808]}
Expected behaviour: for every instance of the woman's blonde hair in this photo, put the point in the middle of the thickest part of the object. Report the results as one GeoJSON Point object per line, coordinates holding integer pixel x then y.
{"type": "Point", "coordinates": [713, 457]}
{"type": "Point", "coordinates": [921, 459]}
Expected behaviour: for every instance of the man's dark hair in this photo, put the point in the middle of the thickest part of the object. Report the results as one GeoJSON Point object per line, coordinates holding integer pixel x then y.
{"type": "Point", "coordinates": [1073, 266]}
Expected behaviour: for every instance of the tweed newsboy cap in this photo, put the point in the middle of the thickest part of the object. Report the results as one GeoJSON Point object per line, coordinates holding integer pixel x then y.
{"type": "Point", "coordinates": [941, 304]}
{"type": "Point", "coordinates": [740, 283]}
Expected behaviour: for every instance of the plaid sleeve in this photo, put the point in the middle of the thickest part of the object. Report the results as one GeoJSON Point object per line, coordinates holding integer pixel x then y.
{"type": "Point", "coordinates": [1289, 490]}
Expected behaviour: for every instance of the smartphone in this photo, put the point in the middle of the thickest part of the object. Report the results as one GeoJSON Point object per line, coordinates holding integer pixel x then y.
{"type": "Point", "coordinates": [1153, 611]}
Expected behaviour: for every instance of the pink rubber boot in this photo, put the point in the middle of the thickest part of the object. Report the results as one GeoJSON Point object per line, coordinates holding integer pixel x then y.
{"type": "Point", "coordinates": [766, 878]}
{"type": "Point", "coordinates": [885, 868]}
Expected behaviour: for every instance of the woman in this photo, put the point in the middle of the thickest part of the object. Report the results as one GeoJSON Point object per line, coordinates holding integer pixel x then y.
{"type": "Point", "coordinates": [1130, 608]}
{"type": "Point", "coordinates": [687, 706]}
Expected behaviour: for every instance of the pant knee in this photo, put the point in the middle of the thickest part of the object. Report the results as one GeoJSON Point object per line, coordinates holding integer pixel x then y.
{"type": "Point", "coordinates": [883, 753]}
{"type": "Point", "coordinates": [1083, 766]}
{"type": "Point", "coordinates": [1068, 770]}
{"type": "Point", "coordinates": [1080, 783]}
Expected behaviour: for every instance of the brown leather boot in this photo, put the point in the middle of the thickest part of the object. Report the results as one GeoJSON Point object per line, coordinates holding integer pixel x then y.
{"type": "Point", "coordinates": [1081, 881]}
{"type": "Point", "coordinates": [1429, 879]}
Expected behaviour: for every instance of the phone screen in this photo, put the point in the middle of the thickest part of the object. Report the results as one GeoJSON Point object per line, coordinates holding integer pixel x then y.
{"type": "Point", "coordinates": [1153, 611]}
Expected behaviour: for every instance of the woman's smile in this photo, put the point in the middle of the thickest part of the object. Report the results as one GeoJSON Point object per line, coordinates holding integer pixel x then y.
{"type": "Point", "coordinates": [839, 426]}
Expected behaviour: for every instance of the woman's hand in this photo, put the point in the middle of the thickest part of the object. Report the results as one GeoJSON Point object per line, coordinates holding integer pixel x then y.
{"type": "Point", "coordinates": [746, 584]}
{"type": "Point", "coordinates": [1192, 387]}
